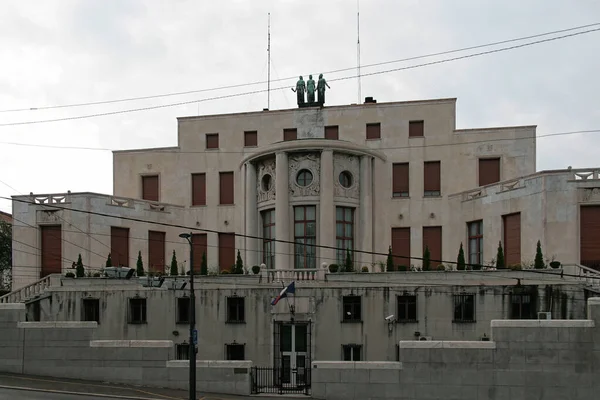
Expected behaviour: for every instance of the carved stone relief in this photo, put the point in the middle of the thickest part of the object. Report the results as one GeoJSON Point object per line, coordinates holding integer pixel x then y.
{"type": "Point", "coordinates": [48, 216]}
{"type": "Point", "coordinates": [351, 164]}
{"type": "Point", "coordinates": [591, 194]}
{"type": "Point", "coordinates": [310, 162]}
{"type": "Point", "coordinates": [265, 181]}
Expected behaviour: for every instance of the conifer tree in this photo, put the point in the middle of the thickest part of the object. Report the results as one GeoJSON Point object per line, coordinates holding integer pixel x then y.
{"type": "Point", "coordinates": [390, 260]}
{"type": "Point", "coordinates": [539, 257]}
{"type": "Point", "coordinates": [239, 265]}
{"type": "Point", "coordinates": [349, 265]}
{"type": "Point", "coordinates": [500, 257]}
{"type": "Point", "coordinates": [426, 259]}
{"type": "Point", "coordinates": [79, 270]}
{"type": "Point", "coordinates": [204, 266]}
{"type": "Point", "coordinates": [460, 260]}
{"type": "Point", "coordinates": [174, 270]}
{"type": "Point", "coordinates": [140, 265]}
{"type": "Point", "coordinates": [108, 261]}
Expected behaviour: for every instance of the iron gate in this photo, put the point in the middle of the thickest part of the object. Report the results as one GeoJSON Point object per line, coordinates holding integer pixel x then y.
{"type": "Point", "coordinates": [290, 373]}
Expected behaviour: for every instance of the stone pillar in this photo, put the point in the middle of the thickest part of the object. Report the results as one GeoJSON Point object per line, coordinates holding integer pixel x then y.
{"type": "Point", "coordinates": [282, 211]}
{"type": "Point", "coordinates": [364, 228]}
{"type": "Point", "coordinates": [251, 216]}
{"type": "Point", "coordinates": [326, 210]}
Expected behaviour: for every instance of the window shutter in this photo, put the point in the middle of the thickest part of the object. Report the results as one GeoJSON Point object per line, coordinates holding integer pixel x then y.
{"type": "Point", "coordinates": [432, 238]}
{"type": "Point", "coordinates": [199, 244]}
{"type": "Point", "coordinates": [589, 225]}
{"type": "Point", "coordinates": [226, 195]}
{"type": "Point", "coordinates": [332, 132]}
{"type": "Point", "coordinates": [51, 250]}
{"type": "Point", "coordinates": [401, 246]}
{"type": "Point", "coordinates": [227, 253]}
{"type": "Point", "coordinates": [156, 251]}
{"type": "Point", "coordinates": [212, 140]}
{"type": "Point", "coordinates": [250, 139]}
{"type": "Point", "coordinates": [290, 134]}
{"type": "Point", "coordinates": [432, 176]}
{"type": "Point", "coordinates": [199, 189]}
{"type": "Point", "coordinates": [416, 128]}
{"type": "Point", "coordinates": [150, 187]}
{"type": "Point", "coordinates": [512, 239]}
{"type": "Point", "coordinates": [119, 246]}
{"type": "Point", "coordinates": [374, 131]}
{"type": "Point", "coordinates": [489, 171]}
{"type": "Point", "coordinates": [400, 180]}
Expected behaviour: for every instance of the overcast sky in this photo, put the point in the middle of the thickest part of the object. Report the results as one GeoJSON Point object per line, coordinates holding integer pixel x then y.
{"type": "Point", "coordinates": [57, 52]}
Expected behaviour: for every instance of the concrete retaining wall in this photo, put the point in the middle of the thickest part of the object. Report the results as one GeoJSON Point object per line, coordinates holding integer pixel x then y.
{"type": "Point", "coordinates": [526, 359]}
{"type": "Point", "coordinates": [68, 350]}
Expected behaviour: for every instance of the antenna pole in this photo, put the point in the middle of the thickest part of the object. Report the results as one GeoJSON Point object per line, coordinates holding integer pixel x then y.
{"type": "Point", "coordinates": [358, 47]}
{"type": "Point", "coordinates": [269, 67]}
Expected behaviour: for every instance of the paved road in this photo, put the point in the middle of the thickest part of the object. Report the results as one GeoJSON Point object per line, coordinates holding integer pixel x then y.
{"type": "Point", "coordinates": [7, 394]}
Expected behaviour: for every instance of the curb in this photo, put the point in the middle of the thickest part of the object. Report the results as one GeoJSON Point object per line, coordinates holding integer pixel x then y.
{"type": "Point", "coordinates": [111, 396]}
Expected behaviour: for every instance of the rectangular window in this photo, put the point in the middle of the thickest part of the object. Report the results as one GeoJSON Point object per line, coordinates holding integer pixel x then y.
{"type": "Point", "coordinates": [137, 311]}
{"type": "Point", "coordinates": [183, 310]}
{"type": "Point", "coordinates": [156, 251]}
{"type": "Point", "coordinates": [290, 134]}
{"type": "Point", "coordinates": [305, 237]}
{"type": "Point", "coordinates": [91, 310]}
{"type": "Point", "coordinates": [464, 308]}
{"type": "Point", "coordinates": [400, 180]}
{"type": "Point", "coordinates": [119, 246]}
{"type": "Point", "coordinates": [199, 189]}
{"type": "Point", "coordinates": [332, 132]}
{"type": "Point", "coordinates": [182, 351]}
{"type": "Point", "coordinates": [235, 351]}
{"type": "Point", "coordinates": [150, 189]}
{"type": "Point", "coordinates": [475, 230]}
{"type": "Point", "coordinates": [226, 251]}
{"type": "Point", "coordinates": [344, 233]}
{"type": "Point", "coordinates": [235, 310]}
{"type": "Point", "coordinates": [401, 247]}
{"type": "Point", "coordinates": [352, 307]}
{"type": "Point", "coordinates": [416, 129]}
{"type": "Point", "coordinates": [432, 179]}
{"type": "Point", "coordinates": [512, 239]}
{"type": "Point", "coordinates": [407, 308]}
{"type": "Point", "coordinates": [351, 352]}
{"type": "Point", "coordinates": [250, 139]}
{"type": "Point", "coordinates": [489, 171]}
{"type": "Point", "coordinates": [226, 192]}
{"type": "Point", "coordinates": [268, 218]}
{"type": "Point", "coordinates": [212, 140]}
{"type": "Point", "coordinates": [373, 131]}
{"type": "Point", "coordinates": [200, 249]}
{"type": "Point", "coordinates": [522, 306]}
{"type": "Point", "coordinates": [432, 238]}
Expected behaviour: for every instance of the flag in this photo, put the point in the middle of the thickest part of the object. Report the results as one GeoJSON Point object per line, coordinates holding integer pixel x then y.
{"type": "Point", "coordinates": [291, 288]}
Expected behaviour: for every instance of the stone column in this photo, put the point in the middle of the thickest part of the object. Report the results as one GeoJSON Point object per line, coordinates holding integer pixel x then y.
{"type": "Point", "coordinates": [251, 215]}
{"type": "Point", "coordinates": [326, 210]}
{"type": "Point", "coordinates": [364, 228]}
{"type": "Point", "coordinates": [282, 210]}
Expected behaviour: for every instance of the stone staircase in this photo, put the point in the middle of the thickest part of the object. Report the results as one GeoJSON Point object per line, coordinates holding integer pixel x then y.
{"type": "Point", "coordinates": [589, 276]}
{"type": "Point", "coordinates": [32, 290]}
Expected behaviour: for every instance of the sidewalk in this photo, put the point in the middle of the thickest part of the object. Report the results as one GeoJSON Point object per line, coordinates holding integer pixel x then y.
{"type": "Point", "coordinates": [42, 383]}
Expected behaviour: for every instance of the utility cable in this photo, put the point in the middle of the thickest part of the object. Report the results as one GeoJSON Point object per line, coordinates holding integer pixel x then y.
{"type": "Point", "coordinates": [219, 151]}
{"type": "Point", "coordinates": [261, 238]}
{"type": "Point", "coordinates": [294, 77]}
{"type": "Point", "coordinates": [287, 87]}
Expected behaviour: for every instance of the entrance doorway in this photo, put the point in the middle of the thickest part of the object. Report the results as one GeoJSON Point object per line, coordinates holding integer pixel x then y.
{"type": "Point", "coordinates": [290, 372]}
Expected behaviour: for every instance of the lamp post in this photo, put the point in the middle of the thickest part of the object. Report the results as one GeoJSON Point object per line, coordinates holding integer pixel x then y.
{"type": "Point", "coordinates": [188, 237]}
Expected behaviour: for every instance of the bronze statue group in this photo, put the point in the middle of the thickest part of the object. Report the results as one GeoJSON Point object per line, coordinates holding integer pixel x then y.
{"type": "Point", "coordinates": [309, 88]}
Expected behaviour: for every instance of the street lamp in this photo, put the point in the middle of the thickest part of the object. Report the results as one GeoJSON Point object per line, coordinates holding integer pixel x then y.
{"type": "Point", "coordinates": [193, 335]}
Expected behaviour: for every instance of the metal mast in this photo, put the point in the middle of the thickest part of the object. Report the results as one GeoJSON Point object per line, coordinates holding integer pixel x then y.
{"type": "Point", "coordinates": [269, 67]}
{"type": "Point", "coordinates": [358, 47]}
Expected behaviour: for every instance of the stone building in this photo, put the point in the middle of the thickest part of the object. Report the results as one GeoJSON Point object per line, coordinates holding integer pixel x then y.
{"type": "Point", "coordinates": [360, 177]}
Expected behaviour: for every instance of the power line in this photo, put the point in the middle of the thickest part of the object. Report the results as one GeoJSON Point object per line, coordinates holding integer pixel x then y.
{"type": "Point", "coordinates": [219, 151]}
{"type": "Point", "coordinates": [285, 79]}
{"type": "Point", "coordinates": [261, 238]}
{"type": "Point", "coordinates": [286, 87]}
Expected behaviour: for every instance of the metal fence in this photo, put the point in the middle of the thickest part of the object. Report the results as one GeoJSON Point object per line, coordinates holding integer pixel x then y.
{"type": "Point", "coordinates": [281, 380]}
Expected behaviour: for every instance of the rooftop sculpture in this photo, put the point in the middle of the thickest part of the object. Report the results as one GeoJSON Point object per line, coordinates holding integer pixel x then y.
{"type": "Point", "coordinates": [309, 88]}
